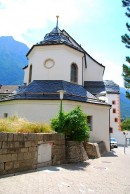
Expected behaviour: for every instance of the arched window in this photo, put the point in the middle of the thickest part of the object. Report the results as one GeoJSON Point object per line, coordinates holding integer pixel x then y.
{"type": "Point", "coordinates": [74, 73]}
{"type": "Point", "coordinates": [30, 73]}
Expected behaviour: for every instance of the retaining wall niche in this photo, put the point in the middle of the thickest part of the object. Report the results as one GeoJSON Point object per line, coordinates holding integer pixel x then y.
{"type": "Point", "coordinates": [25, 151]}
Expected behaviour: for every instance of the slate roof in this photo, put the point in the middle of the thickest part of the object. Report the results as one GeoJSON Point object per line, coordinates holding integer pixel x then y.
{"type": "Point", "coordinates": [56, 37]}
{"type": "Point", "coordinates": [102, 87]}
{"type": "Point", "coordinates": [48, 90]}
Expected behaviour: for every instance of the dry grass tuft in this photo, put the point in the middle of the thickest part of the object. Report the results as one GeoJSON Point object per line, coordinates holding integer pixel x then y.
{"type": "Point", "coordinates": [16, 124]}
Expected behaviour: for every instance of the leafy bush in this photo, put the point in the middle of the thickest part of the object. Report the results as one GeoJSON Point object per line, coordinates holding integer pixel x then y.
{"type": "Point", "coordinates": [74, 125]}
{"type": "Point", "coordinates": [16, 124]}
{"type": "Point", "coordinates": [126, 124]}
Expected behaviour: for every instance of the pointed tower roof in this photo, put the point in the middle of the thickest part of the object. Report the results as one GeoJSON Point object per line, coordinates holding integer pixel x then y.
{"type": "Point", "coordinates": [55, 36]}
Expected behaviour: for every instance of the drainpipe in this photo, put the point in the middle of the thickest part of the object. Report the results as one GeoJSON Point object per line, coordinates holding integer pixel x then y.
{"type": "Point", "coordinates": [82, 72]}
{"type": "Point", "coordinates": [83, 60]}
{"type": "Point", "coordinates": [109, 130]}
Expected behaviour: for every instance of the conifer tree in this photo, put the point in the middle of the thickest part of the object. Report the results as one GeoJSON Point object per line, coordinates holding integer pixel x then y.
{"type": "Point", "coordinates": [126, 41]}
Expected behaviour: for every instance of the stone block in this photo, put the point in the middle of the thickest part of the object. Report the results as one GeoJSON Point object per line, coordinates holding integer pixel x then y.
{"type": "Point", "coordinates": [8, 166]}
{"type": "Point", "coordinates": [10, 136]}
{"type": "Point", "coordinates": [25, 163]}
{"type": "Point", "coordinates": [11, 144]}
{"type": "Point", "coordinates": [27, 156]}
{"type": "Point", "coordinates": [3, 136]}
{"type": "Point", "coordinates": [16, 165]}
{"type": "Point", "coordinates": [5, 157]}
{"type": "Point", "coordinates": [15, 137]}
{"type": "Point", "coordinates": [13, 150]}
{"type": "Point", "coordinates": [0, 145]}
{"type": "Point", "coordinates": [59, 142]}
{"type": "Point", "coordinates": [75, 152]}
{"type": "Point", "coordinates": [33, 154]}
{"type": "Point", "coordinates": [39, 137]}
{"type": "Point", "coordinates": [20, 137]}
{"type": "Point", "coordinates": [1, 166]}
{"type": "Point", "coordinates": [21, 144]}
{"type": "Point", "coordinates": [3, 151]}
{"type": "Point", "coordinates": [20, 156]}
{"type": "Point", "coordinates": [30, 137]}
{"type": "Point", "coordinates": [24, 150]}
{"type": "Point", "coordinates": [28, 144]}
{"type": "Point", "coordinates": [34, 144]}
{"type": "Point", "coordinates": [14, 157]}
{"type": "Point", "coordinates": [40, 142]}
{"type": "Point", "coordinates": [5, 144]}
{"type": "Point", "coordinates": [46, 137]}
{"type": "Point", "coordinates": [32, 149]}
{"type": "Point", "coordinates": [16, 144]}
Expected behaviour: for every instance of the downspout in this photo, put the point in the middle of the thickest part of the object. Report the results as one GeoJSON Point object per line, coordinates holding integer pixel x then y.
{"type": "Point", "coordinates": [84, 57]}
{"type": "Point", "coordinates": [109, 130]}
{"type": "Point", "coordinates": [82, 72]}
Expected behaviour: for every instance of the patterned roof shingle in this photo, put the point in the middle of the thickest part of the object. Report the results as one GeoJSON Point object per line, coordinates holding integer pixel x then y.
{"type": "Point", "coordinates": [97, 87]}
{"type": "Point", "coordinates": [48, 90]}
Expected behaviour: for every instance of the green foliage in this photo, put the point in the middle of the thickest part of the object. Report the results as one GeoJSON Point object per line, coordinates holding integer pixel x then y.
{"type": "Point", "coordinates": [126, 41]}
{"type": "Point", "coordinates": [74, 125]}
{"type": "Point", "coordinates": [58, 122]}
{"type": "Point", "coordinates": [12, 60]}
{"type": "Point", "coordinates": [16, 124]}
{"type": "Point", "coordinates": [126, 124]}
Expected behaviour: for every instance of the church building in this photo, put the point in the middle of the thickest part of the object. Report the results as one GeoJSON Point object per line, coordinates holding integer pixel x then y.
{"type": "Point", "coordinates": [59, 64]}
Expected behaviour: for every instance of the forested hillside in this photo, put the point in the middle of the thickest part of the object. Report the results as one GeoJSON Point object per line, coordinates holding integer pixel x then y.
{"type": "Point", "coordinates": [12, 60]}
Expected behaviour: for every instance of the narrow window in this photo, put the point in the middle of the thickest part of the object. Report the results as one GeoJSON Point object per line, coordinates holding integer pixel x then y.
{"type": "Point", "coordinates": [89, 120]}
{"type": "Point", "coordinates": [30, 73]}
{"type": "Point", "coordinates": [74, 73]}
{"type": "Point", "coordinates": [116, 120]}
{"type": "Point", "coordinates": [5, 115]}
{"type": "Point", "coordinates": [113, 102]}
{"type": "Point", "coordinates": [114, 110]}
{"type": "Point", "coordinates": [111, 130]}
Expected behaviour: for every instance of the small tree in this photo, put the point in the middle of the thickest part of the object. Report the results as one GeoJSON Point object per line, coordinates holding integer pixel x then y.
{"type": "Point", "coordinates": [126, 41]}
{"type": "Point", "coordinates": [74, 125]}
{"type": "Point", "coordinates": [126, 124]}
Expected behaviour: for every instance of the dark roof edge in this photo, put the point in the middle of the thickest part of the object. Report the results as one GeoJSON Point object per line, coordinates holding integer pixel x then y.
{"type": "Point", "coordinates": [53, 45]}
{"type": "Point", "coordinates": [83, 49]}
{"type": "Point", "coordinates": [6, 100]}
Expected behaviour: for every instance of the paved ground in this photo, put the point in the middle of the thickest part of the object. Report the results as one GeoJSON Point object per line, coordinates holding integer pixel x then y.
{"type": "Point", "coordinates": [109, 174]}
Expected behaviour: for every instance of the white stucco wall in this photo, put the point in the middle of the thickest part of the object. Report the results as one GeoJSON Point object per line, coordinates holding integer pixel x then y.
{"type": "Point", "coordinates": [43, 111]}
{"type": "Point", "coordinates": [62, 55]}
{"type": "Point", "coordinates": [120, 137]}
{"type": "Point", "coordinates": [116, 98]}
{"type": "Point", "coordinates": [94, 71]}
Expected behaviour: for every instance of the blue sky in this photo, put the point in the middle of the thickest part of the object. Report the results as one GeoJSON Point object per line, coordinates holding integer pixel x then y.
{"type": "Point", "coordinates": [95, 24]}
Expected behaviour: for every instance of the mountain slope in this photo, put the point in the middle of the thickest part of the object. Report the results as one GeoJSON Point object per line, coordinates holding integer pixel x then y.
{"type": "Point", "coordinates": [12, 60]}
{"type": "Point", "coordinates": [124, 104]}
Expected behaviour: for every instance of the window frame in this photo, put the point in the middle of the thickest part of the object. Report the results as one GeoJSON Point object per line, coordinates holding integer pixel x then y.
{"type": "Point", "coordinates": [30, 73]}
{"type": "Point", "coordinates": [90, 122]}
{"type": "Point", "coordinates": [74, 73]}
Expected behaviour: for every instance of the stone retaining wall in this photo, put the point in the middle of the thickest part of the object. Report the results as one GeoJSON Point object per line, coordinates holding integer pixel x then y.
{"type": "Point", "coordinates": [19, 151]}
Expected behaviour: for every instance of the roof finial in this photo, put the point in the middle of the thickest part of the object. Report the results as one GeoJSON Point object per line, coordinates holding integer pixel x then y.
{"type": "Point", "coordinates": [57, 21]}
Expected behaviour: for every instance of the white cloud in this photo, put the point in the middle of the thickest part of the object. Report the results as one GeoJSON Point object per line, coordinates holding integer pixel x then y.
{"type": "Point", "coordinates": [20, 16]}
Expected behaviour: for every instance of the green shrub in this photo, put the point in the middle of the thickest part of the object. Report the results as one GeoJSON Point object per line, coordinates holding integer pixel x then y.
{"type": "Point", "coordinates": [126, 124]}
{"type": "Point", "coordinates": [58, 122]}
{"type": "Point", "coordinates": [73, 124]}
{"type": "Point", "coordinates": [16, 124]}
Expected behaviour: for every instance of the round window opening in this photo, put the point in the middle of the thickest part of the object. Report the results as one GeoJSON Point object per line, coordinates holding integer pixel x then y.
{"type": "Point", "coordinates": [49, 63]}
